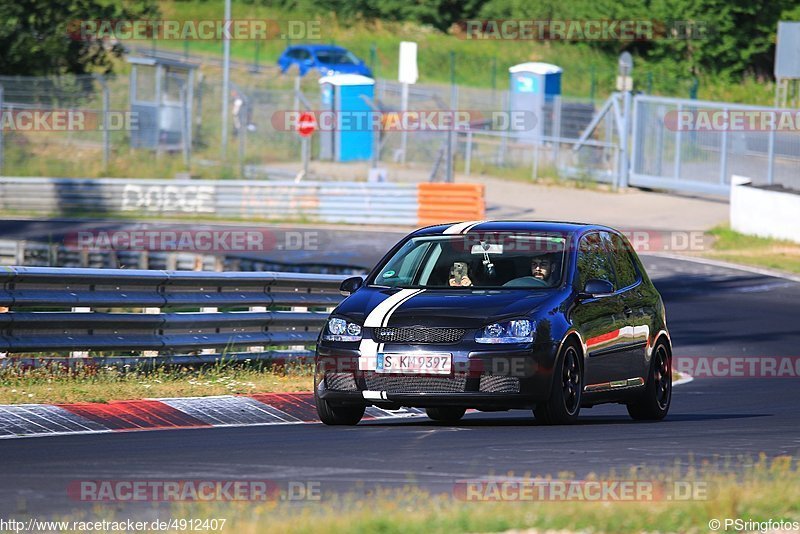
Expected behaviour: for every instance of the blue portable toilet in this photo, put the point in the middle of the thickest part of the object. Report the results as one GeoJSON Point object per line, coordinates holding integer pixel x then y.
{"type": "Point", "coordinates": [349, 135]}
{"type": "Point", "coordinates": [534, 87]}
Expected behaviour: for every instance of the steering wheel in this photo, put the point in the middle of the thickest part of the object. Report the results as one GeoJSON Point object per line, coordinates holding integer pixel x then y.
{"type": "Point", "coordinates": [526, 281]}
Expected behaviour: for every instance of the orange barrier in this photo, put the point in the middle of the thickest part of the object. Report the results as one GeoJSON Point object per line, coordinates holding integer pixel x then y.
{"type": "Point", "coordinates": [445, 202]}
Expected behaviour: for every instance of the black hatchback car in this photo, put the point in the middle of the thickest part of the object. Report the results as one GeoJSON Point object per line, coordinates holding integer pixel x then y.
{"type": "Point", "coordinates": [494, 316]}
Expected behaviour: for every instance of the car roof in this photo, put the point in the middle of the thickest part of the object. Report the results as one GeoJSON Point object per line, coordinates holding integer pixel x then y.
{"type": "Point", "coordinates": [316, 47]}
{"type": "Point", "coordinates": [574, 228]}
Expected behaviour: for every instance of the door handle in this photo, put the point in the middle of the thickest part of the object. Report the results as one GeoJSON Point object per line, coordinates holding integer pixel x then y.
{"type": "Point", "coordinates": [627, 311]}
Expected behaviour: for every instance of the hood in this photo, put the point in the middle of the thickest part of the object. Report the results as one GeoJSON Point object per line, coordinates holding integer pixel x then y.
{"type": "Point", "coordinates": [447, 308]}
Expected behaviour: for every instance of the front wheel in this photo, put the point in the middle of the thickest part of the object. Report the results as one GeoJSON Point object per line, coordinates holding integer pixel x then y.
{"type": "Point", "coordinates": [654, 403]}
{"type": "Point", "coordinates": [565, 397]}
{"type": "Point", "coordinates": [446, 414]}
{"type": "Point", "coordinates": [338, 415]}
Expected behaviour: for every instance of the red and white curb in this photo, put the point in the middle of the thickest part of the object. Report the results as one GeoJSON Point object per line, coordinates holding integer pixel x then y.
{"type": "Point", "coordinates": [32, 420]}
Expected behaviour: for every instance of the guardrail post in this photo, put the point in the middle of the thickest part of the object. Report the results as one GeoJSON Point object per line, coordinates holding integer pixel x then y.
{"type": "Point", "coordinates": [3, 309]}
{"type": "Point", "coordinates": [80, 353]}
{"type": "Point", "coordinates": [209, 310]}
{"type": "Point", "coordinates": [151, 353]}
{"type": "Point", "coordinates": [298, 309]}
{"type": "Point", "coordinates": [257, 309]}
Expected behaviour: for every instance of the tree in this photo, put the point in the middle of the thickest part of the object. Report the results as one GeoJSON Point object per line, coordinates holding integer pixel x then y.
{"type": "Point", "coordinates": [36, 41]}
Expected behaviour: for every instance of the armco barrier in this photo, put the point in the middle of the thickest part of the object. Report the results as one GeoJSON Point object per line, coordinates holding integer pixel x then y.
{"type": "Point", "coordinates": [332, 202]}
{"type": "Point", "coordinates": [115, 312]}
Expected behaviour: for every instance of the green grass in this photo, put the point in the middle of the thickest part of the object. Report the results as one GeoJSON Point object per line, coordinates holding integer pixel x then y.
{"type": "Point", "coordinates": [55, 384]}
{"type": "Point", "coordinates": [478, 63]}
{"type": "Point", "coordinates": [732, 246]}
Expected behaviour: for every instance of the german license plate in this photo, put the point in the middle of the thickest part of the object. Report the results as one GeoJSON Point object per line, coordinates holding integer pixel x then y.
{"type": "Point", "coordinates": [421, 363]}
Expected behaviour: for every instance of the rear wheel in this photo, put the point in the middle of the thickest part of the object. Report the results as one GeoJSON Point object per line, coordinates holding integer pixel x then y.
{"type": "Point", "coordinates": [338, 415]}
{"type": "Point", "coordinates": [654, 404]}
{"type": "Point", "coordinates": [564, 403]}
{"type": "Point", "coordinates": [446, 414]}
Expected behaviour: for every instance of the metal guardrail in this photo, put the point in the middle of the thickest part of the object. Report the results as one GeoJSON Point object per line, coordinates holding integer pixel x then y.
{"type": "Point", "coordinates": [329, 202]}
{"type": "Point", "coordinates": [119, 312]}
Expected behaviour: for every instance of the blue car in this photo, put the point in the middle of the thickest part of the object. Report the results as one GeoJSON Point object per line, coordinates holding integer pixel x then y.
{"type": "Point", "coordinates": [324, 59]}
{"type": "Point", "coordinates": [496, 315]}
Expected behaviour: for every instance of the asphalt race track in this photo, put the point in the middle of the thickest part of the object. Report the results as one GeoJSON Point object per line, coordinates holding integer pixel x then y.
{"type": "Point", "coordinates": [710, 311]}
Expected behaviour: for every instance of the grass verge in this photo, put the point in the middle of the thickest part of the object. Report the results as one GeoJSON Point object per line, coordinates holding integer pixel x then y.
{"type": "Point", "coordinates": [752, 490]}
{"type": "Point", "coordinates": [102, 384]}
{"type": "Point", "coordinates": [734, 247]}
{"type": "Point", "coordinates": [56, 385]}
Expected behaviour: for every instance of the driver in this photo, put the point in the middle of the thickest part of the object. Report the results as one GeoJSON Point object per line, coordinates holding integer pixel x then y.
{"type": "Point", "coordinates": [541, 268]}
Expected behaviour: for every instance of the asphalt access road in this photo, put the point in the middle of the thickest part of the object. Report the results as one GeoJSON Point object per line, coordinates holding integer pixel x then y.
{"type": "Point", "coordinates": [296, 245]}
{"type": "Point", "coordinates": [711, 311]}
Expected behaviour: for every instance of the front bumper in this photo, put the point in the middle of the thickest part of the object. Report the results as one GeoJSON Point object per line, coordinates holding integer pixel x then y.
{"type": "Point", "coordinates": [494, 377]}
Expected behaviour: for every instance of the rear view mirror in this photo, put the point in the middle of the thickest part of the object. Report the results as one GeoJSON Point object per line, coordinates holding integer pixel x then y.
{"type": "Point", "coordinates": [596, 288]}
{"type": "Point", "coordinates": [350, 285]}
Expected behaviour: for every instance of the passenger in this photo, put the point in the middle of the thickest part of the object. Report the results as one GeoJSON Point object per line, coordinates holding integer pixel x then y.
{"type": "Point", "coordinates": [459, 274]}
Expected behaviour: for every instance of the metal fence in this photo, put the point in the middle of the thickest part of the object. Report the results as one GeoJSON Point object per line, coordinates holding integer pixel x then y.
{"type": "Point", "coordinates": [670, 157]}
{"type": "Point", "coordinates": [159, 314]}
{"type": "Point", "coordinates": [661, 157]}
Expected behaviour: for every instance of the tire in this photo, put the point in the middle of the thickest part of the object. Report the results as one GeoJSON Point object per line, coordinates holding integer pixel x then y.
{"type": "Point", "coordinates": [654, 403]}
{"type": "Point", "coordinates": [338, 415]}
{"type": "Point", "coordinates": [446, 414]}
{"type": "Point", "coordinates": [564, 404]}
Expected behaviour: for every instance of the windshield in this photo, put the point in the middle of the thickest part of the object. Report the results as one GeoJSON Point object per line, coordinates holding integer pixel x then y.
{"type": "Point", "coordinates": [480, 261]}
{"type": "Point", "coordinates": [336, 57]}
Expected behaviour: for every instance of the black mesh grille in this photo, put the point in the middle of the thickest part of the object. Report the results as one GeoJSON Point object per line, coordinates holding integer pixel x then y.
{"type": "Point", "coordinates": [416, 384]}
{"type": "Point", "coordinates": [499, 384]}
{"type": "Point", "coordinates": [418, 335]}
{"type": "Point", "coordinates": [340, 381]}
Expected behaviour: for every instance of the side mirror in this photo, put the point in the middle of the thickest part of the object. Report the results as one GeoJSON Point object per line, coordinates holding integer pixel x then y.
{"type": "Point", "coordinates": [350, 285]}
{"type": "Point", "coordinates": [596, 288]}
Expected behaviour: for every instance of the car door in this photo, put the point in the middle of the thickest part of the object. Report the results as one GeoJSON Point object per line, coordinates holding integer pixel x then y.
{"type": "Point", "coordinates": [599, 319]}
{"type": "Point", "coordinates": [636, 305]}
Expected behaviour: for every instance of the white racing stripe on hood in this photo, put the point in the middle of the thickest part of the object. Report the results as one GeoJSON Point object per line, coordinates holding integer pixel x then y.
{"type": "Point", "coordinates": [379, 316]}
{"type": "Point", "coordinates": [462, 228]}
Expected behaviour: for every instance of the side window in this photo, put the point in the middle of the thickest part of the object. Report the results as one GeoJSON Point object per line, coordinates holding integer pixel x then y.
{"type": "Point", "coordinates": [593, 260]}
{"type": "Point", "coordinates": [627, 275]}
{"type": "Point", "coordinates": [303, 54]}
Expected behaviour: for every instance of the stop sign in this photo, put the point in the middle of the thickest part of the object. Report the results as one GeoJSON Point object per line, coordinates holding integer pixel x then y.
{"type": "Point", "coordinates": [306, 124]}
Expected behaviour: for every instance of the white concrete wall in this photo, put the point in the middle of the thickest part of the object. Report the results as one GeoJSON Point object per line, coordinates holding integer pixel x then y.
{"type": "Point", "coordinates": [764, 213]}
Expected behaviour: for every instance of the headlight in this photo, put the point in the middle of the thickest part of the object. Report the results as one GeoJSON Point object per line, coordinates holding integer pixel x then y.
{"type": "Point", "coordinates": [516, 331]}
{"type": "Point", "coordinates": [340, 330]}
